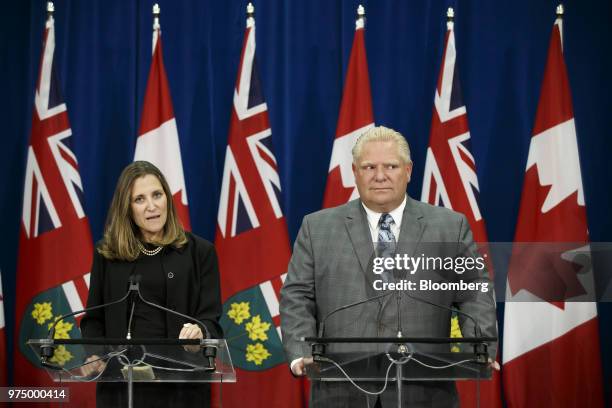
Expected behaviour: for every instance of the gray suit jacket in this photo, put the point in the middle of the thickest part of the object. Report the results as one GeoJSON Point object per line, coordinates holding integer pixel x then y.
{"type": "Point", "coordinates": [331, 267]}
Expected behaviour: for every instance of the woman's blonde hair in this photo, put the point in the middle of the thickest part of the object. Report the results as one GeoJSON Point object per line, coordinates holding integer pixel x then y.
{"type": "Point", "coordinates": [121, 234]}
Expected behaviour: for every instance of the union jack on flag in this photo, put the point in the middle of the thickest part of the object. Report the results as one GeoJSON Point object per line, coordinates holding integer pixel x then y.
{"type": "Point", "coordinates": [250, 144]}
{"type": "Point", "coordinates": [42, 207]}
{"type": "Point", "coordinates": [55, 245]}
{"type": "Point", "coordinates": [253, 247]}
{"type": "Point", "coordinates": [450, 178]}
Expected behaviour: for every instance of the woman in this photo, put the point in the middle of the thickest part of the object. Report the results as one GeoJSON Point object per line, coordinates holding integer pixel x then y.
{"type": "Point", "coordinates": [143, 238]}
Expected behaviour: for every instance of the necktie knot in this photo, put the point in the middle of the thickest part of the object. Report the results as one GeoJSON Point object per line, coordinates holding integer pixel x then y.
{"type": "Point", "coordinates": [385, 221]}
{"type": "Point", "coordinates": [384, 231]}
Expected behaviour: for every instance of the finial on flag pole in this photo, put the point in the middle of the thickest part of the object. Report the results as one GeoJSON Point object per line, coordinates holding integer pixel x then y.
{"type": "Point", "coordinates": [360, 22]}
{"type": "Point", "coordinates": [560, 10]}
{"type": "Point", "coordinates": [450, 14]}
{"type": "Point", "coordinates": [450, 18]}
{"type": "Point", "coordinates": [156, 12]}
{"type": "Point", "coordinates": [50, 8]}
{"type": "Point", "coordinates": [250, 9]}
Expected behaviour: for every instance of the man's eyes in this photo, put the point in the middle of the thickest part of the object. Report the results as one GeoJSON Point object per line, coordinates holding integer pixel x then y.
{"type": "Point", "coordinates": [386, 166]}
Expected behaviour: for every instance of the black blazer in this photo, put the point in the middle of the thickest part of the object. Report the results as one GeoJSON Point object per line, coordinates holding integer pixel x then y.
{"type": "Point", "coordinates": [193, 288]}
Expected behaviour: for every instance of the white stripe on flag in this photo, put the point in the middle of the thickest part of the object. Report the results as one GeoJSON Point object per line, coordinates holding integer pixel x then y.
{"type": "Point", "coordinates": [86, 279]}
{"type": "Point", "coordinates": [283, 277]}
{"type": "Point", "coordinates": [73, 296]}
{"type": "Point", "coordinates": [278, 330]}
{"type": "Point", "coordinates": [270, 297]}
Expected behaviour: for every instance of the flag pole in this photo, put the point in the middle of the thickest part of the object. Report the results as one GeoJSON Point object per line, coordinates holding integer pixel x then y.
{"type": "Point", "coordinates": [250, 9]}
{"type": "Point", "coordinates": [156, 26]}
{"type": "Point", "coordinates": [50, 9]}
{"type": "Point", "coordinates": [361, 18]}
{"type": "Point", "coordinates": [560, 10]}
{"type": "Point", "coordinates": [450, 18]}
{"type": "Point", "coordinates": [156, 12]}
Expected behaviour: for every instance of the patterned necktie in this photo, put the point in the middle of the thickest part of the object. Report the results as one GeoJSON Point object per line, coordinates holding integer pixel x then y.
{"type": "Point", "coordinates": [385, 234]}
{"type": "Point", "coordinates": [385, 246]}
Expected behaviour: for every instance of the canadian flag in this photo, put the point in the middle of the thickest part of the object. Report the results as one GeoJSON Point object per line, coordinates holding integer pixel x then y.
{"type": "Point", "coordinates": [158, 140]}
{"type": "Point", "coordinates": [355, 118]}
{"type": "Point", "coordinates": [551, 349]}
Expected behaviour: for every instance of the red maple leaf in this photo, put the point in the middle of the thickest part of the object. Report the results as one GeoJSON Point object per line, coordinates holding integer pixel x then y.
{"type": "Point", "coordinates": [541, 239]}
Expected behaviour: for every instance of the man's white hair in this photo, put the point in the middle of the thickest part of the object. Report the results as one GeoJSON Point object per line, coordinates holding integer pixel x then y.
{"type": "Point", "coordinates": [382, 134]}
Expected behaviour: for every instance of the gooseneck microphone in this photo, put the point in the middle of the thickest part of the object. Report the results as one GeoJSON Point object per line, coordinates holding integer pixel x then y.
{"type": "Point", "coordinates": [210, 352]}
{"type": "Point", "coordinates": [344, 307]}
{"type": "Point", "coordinates": [46, 351]}
{"type": "Point", "coordinates": [480, 349]}
{"type": "Point", "coordinates": [133, 291]}
{"type": "Point", "coordinates": [318, 349]}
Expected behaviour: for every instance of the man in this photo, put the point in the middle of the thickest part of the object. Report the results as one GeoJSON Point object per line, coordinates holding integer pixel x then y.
{"type": "Point", "coordinates": [331, 267]}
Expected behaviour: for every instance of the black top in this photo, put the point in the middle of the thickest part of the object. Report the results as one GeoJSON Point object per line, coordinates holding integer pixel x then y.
{"type": "Point", "coordinates": [148, 321]}
{"type": "Point", "coordinates": [192, 287]}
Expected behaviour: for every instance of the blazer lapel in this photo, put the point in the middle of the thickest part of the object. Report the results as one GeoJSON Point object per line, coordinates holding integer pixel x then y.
{"type": "Point", "coordinates": [359, 233]}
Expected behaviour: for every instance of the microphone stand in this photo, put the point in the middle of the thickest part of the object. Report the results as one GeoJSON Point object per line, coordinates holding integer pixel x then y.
{"type": "Point", "coordinates": [210, 352]}
{"type": "Point", "coordinates": [318, 349]}
{"type": "Point", "coordinates": [47, 350]}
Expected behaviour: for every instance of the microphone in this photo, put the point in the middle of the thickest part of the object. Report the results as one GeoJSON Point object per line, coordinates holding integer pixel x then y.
{"type": "Point", "coordinates": [322, 326]}
{"type": "Point", "coordinates": [318, 349]}
{"type": "Point", "coordinates": [47, 350]}
{"type": "Point", "coordinates": [134, 291]}
{"type": "Point", "coordinates": [210, 352]}
{"type": "Point", "coordinates": [480, 349]}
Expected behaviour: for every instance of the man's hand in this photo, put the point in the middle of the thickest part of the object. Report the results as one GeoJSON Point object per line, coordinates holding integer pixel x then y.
{"type": "Point", "coordinates": [298, 367]}
{"type": "Point", "coordinates": [494, 364]}
{"type": "Point", "coordinates": [191, 331]}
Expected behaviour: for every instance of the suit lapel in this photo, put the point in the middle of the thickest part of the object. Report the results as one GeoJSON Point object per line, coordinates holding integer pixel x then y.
{"type": "Point", "coordinates": [359, 233]}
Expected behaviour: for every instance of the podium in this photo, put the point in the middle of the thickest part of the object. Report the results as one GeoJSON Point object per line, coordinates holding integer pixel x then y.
{"type": "Point", "coordinates": [376, 365]}
{"type": "Point", "coordinates": [136, 360]}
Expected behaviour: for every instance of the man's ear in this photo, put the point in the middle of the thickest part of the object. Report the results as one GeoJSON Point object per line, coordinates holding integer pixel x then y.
{"type": "Point", "coordinates": [409, 170]}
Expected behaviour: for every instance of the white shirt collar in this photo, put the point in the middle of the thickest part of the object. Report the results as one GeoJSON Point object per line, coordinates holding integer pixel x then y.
{"type": "Point", "coordinates": [374, 217]}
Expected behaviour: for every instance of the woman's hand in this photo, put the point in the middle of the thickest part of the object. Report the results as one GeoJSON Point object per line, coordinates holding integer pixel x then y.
{"type": "Point", "coordinates": [191, 331]}
{"type": "Point", "coordinates": [93, 366]}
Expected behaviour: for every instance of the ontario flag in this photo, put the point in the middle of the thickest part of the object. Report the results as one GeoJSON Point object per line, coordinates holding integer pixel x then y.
{"type": "Point", "coordinates": [450, 180]}
{"type": "Point", "coordinates": [253, 248]}
{"type": "Point", "coordinates": [158, 140]}
{"type": "Point", "coordinates": [551, 341]}
{"type": "Point", "coordinates": [354, 119]}
{"type": "Point", "coordinates": [55, 245]}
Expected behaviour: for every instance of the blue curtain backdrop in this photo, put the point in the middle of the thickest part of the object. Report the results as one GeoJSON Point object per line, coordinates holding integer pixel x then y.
{"type": "Point", "coordinates": [103, 54]}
